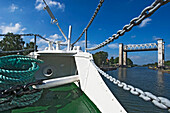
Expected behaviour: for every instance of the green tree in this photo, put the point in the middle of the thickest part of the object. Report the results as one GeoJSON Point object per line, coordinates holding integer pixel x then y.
{"type": "Point", "coordinates": [100, 58]}
{"type": "Point", "coordinates": [116, 60]}
{"type": "Point", "coordinates": [129, 61]}
{"type": "Point", "coordinates": [111, 60]}
{"type": "Point", "coordinates": [29, 45]}
{"type": "Point", "coordinates": [14, 42]}
{"type": "Point", "coordinates": [10, 43]}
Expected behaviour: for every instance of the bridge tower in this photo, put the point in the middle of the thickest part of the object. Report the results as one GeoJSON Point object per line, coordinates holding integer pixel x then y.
{"type": "Point", "coordinates": [121, 54]}
{"type": "Point", "coordinates": [160, 53]}
{"type": "Point", "coordinates": [123, 49]}
{"type": "Point", "coordinates": [124, 58]}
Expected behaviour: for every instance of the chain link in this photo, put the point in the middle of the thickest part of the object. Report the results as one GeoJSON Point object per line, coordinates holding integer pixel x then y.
{"type": "Point", "coordinates": [17, 51]}
{"type": "Point", "coordinates": [148, 11]}
{"type": "Point", "coordinates": [27, 35]}
{"type": "Point", "coordinates": [160, 102]}
{"type": "Point", "coordinates": [91, 20]}
{"type": "Point", "coordinates": [19, 91]}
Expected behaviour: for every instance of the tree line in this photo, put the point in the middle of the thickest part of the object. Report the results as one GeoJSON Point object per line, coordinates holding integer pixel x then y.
{"type": "Point", "coordinates": [101, 59]}
{"type": "Point", "coordinates": [14, 42]}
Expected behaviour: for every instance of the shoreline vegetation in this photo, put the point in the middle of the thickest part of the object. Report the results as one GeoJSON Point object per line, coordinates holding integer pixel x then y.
{"type": "Point", "coordinates": [102, 61]}
{"type": "Point", "coordinates": [164, 70]}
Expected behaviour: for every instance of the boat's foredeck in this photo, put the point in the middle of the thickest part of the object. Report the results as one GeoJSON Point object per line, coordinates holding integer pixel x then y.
{"type": "Point", "coordinates": [64, 99]}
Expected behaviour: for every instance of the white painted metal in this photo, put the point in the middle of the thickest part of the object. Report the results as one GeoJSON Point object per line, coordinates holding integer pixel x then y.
{"type": "Point", "coordinates": [124, 58]}
{"type": "Point", "coordinates": [57, 45]}
{"type": "Point", "coordinates": [140, 46]}
{"type": "Point", "coordinates": [69, 39]}
{"type": "Point", "coordinates": [61, 63]}
{"type": "Point", "coordinates": [91, 82]}
{"type": "Point", "coordinates": [94, 87]}
{"type": "Point", "coordinates": [57, 82]}
{"type": "Point", "coordinates": [120, 54]}
{"type": "Point", "coordinates": [50, 46]}
{"type": "Point", "coordinates": [160, 53]}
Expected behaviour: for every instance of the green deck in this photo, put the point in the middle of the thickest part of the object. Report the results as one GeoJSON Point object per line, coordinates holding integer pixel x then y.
{"type": "Point", "coordinates": [64, 99]}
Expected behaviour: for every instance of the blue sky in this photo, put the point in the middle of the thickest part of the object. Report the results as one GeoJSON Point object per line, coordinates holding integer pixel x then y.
{"type": "Point", "coordinates": [28, 16]}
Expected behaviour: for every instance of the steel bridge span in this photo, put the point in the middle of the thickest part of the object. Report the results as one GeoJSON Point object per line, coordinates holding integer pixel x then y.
{"type": "Point", "coordinates": [159, 46]}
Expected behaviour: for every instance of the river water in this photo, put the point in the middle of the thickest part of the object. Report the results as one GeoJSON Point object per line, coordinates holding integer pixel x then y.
{"type": "Point", "coordinates": [152, 81]}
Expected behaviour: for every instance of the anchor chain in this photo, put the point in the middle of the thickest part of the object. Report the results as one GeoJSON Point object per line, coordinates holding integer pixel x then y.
{"type": "Point", "coordinates": [17, 51]}
{"type": "Point", "coordinates": [19, 91]}
{"type": "Point", "coordinates": [160, 102]}
{"type": "Point", "coordinates": [16, 73]}
{"type": "Point", "coordinates": [147, 12]}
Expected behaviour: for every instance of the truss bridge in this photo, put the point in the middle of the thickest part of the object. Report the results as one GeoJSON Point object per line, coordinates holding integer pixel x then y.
{"type": "Point", "coordinates": [159, 46]}
{"type": "Point", "coordinates": [141, 47]}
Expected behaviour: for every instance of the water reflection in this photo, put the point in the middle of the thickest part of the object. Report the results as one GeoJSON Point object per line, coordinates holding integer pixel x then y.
{"type": "Point", "coordinates": [148, 80]}
{"type": "Point", "coordinates": [160, 82]}
{"type": "Point", "coordinates": [122, 73]}
{"type": "Point", "coordinates": [160, 77]}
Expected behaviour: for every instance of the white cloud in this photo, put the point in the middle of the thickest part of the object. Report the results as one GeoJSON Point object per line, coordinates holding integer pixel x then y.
{"type": "Point", "coordinates": [13, 7]}
{"type": "Point", "coordinates": [40, 40]}
{"type": "Point", "coordinates": [155, 38]}
{"type": "Point", "coordinates": [134, 57]}
{"type": "Point", "coordinates": [42, 47]}
{"type": "Point", "coordinates": [99, 29]}
{"type": "Point", "coordinates": [82, 44]}
{"type": "Point", "coordinates": [113, 46]}
{"type": "Point", "coordinates": [55, 36]}
{"type": "Point", "coordinates": [168, 45]}
{"type": "Point", "coordinates": [23, 29]}
{"type": "Point", "coordinates": [39, 5]}
{"type": "Point", "coordinates": [42, 43]}
{"type": "Point", "coordinates": [145, 22]}
{"type": "Point", "coordinates": [133, 36]}
{"type": "Point", "coordinates": [12, 28]}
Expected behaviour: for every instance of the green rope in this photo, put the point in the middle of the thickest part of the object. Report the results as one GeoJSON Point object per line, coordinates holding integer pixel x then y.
{"type": "Point", "coordinates": [18, 70]}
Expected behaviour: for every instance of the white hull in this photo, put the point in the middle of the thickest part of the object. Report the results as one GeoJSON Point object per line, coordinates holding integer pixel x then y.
{"type": "Point", "coordinates": [90, 81]}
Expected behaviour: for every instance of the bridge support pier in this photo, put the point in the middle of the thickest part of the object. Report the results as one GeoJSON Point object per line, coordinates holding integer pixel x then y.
{"type": "Point", "coordinates": [124, 58]}
{"type": "Point", "coordinates": [120, 54]}
{"type": "Point", "coordinates": [160, 53]}
{"type": "Point", "coordinates": [123, 49]}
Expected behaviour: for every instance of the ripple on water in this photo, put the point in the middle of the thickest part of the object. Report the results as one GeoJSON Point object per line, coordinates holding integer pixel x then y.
{"type": "Point", "coordinates": [153, 81]}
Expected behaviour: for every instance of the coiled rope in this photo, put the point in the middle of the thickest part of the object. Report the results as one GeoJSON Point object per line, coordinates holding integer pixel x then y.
{"type": "Point", "coordinates": [160, 102]}
{"type": "Point", "coordinates": [17, 70]}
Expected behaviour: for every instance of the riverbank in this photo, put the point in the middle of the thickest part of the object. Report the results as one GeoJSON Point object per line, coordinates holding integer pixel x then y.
{"type": "Point", "coordinates": [110, 68]}
{"type": "Point", "coordinates": [162, 70]}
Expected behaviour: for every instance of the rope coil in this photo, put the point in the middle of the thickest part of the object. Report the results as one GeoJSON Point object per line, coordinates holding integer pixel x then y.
{"type": "Point", "coordinates": [18, 70]}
